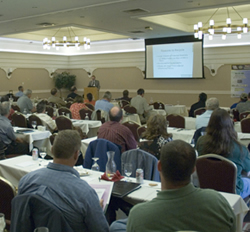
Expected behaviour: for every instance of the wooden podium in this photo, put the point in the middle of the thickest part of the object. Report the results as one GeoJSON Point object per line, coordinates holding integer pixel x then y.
{"type": "Point", "coordinates": [93, 90]}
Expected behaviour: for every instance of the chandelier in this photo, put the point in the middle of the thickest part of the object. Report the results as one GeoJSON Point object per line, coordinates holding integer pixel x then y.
{"type": "Point", "coordinates": [73, 41]}
{"type": "Point", "coordinates": [228, 28]}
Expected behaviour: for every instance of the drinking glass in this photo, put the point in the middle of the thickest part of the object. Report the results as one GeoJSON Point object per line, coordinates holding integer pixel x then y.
{"type": "Point", "coordinates": [42, 153]}
{"type": "Point", "coordinates": [128, 170]}
{"type": "Point", "coordinates": [86, 116]}
{"type": "Point", "coordinates": [95, 166]}
{"type": "Point", "coordinates": [33, 123]}
{"type": "Point", "coordinates": [2, 222]}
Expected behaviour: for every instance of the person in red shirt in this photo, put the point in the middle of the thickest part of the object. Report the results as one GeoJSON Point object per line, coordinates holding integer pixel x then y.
{"type": "Point", "coordinates": [75, 107]}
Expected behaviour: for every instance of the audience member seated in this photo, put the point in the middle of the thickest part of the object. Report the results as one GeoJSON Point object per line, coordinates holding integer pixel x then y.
{"type": "Point", "coordinates": [243, 98]}
{"type": "Point", "coordinates": [244, 106]}
{"type": "Point", "coordinates": [75, 107]}
{"type": "Point", "coordinates": [25, 104]}
{"type": "Point", "coordinates": [156, 131]}
{"type": "Point", "coordinates": [200, 104]}
{"type": "Point", "coordinates": [141, 105]}
{"type": "Point", "coordinates": [179, 198]}
{"type": "Point", "coordinates": [89, 99]}
{"type": "Point", "coordinates": [221, 139]}
{"type": "Point", "coordinates": [12, 111]}
{"type": "Point", "coordinates": [20, 91]}
{"type": "Point", "coordinates": [125, 97]}
{"type": "Point", "coordinates": [104, 104]}
{"type": "Point", "coordinates": [55, 99]}
{"type": "Point", "coordinates": [77, 201]}
{"type": "Point", "coordinates": [73, 93]}
{"type": "Point", "coordinates": [13, 144]}
{"type": "Point", "coordinates": [203, 119]}
{"type": "Point", "coordinates": [46, 119]}
{"type": "Point", "coordinates": [117, 133]}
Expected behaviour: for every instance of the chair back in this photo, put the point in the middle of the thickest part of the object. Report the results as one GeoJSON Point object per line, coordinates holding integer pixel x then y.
{"type": "Point", "coordinates": [148, 146]}
{"type": "Point", "coordinates": [52, 138]}
{"type": "Point", "coordinates": [83, 112]}
{"type": "Point", "coordinates": [176, 120]}
{"type": "Point", "coordinates": [19, 120]}
{"type": "Point", "coordinates": [7, 193]}
{"type": "Point", "coordinates": [64, 111]}
{"type": "Point", "coordinates": [130, 109]}
{"type": "Point", "coordinates": [245, 125]}
{"type": "Point", "coordinates": [216, 172]}
{"type": "Point", "coordinates": [90, 106]}
{"type": "Point", "coordinates": [50, 111]}
{"type": "Point", "coordinates": [33, 118]}
{"type": "Point", "coordinates": [198, 133]}
{"type": "Point", "coordinates": [30, 211]}
{"type": "Point", "coordinates": [68, 104]}
{"type": "Point", "coordinates": [69, 99]}
{"type": "Point", "coordinates": [100, 116]}
{"type": "Point", "coordinates": [124, 103]}
{"type": "Point", "coordinates": [236, 114]}
{"type": "Point", "coordinates": [141, 159]}
{"type": "Point", "coordinates": [244, 115]}
{"type": "Point", "coordinates": [159, 105]}
{"type": "Point", "coordinates": [99, 148]}
{"type": "Point", "coordinates": [16, 108]}
{"type": "Point", "coordinates": [52, 104]}
{"type": "Point", "coordinates": [63, 123]}
{"type": "Point", "coordinates": [140, 130]}
{"type": "Point", "coordinates": [133, 127]}
{"type": "Point", "coordinates": [199, 111]}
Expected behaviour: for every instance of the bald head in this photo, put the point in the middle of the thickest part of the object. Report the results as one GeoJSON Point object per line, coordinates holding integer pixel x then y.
{"type": "Point", "coordinates": [115, 114]}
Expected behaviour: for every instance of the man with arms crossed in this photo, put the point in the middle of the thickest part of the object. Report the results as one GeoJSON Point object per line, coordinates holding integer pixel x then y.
{"type": "Point", "coordinates": [60, 184]}
{"type": "Point", "coordinates": [181, 206]}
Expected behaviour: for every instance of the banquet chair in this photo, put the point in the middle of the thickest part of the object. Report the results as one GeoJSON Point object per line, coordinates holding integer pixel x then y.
{"type": "Point", "coordinates": [124, 103]}
{"type": "Point", "coordinates": [52, 104]}
{"type": "Point", "coordinates": [7, 193]}
{"type": "Point", "coordinates": [245, 125]}
{"type": "Point", "coordinates": [50, 111]}
{"type": "Point", "coordinates": [52, 138]}
{"type": "Point", "coordinates": [130, 109]}
{"type": "Point", "coordinates": [15, 108]}
{"type": "Point", "coordinates": [63, 123]}
{"type": "Point", "coordinates": [133, 127]}
{"type": "Point", "coordinates": [244, 115]}
{"type": "Point", "coordinates": [69, 99]}
{"type": "Point", "coordinates": [64, 111]}
{"type": "Point", "coordinates": [211, 170]}
{"type": "Point", "coordinates": [159, 105]}
{"type": "Point", "coordinates": [100, 115]}
{"type": "Point", "coordinates": [140, 130]}
{"type": "Point", "coordinates": [99, 148]}
{"type": "Point", "coordinates": [147, 146]}
{"type": "Point", "coordinates": [19, 120]}
{"type": "Point", "coordinates": [176, 120]}
{"type": "Point", "coordinates": [83, 112]}
{"type": "Point", "coordinates": [199, 111]}
{"type": "Point", "coordinates": [141, 159]}
{"type": "Point", "coordinates": [29, 211]}
{"type": "Point", "coordinates": [68, 104]}
{"type": "Point", "coordinates": [236, 114]}
{"type": "Point", "coordinates": [33, 118]}
{"type": "Point", "coordinates": [198, 133]}
{"type": "Point", "coordinates": [90, 106]}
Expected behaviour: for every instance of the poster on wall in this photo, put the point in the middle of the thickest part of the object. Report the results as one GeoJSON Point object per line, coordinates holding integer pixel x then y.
{"type": "Point", "coordinates": [240, 80]}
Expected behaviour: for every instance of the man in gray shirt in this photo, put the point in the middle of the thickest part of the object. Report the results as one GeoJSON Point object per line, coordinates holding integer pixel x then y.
{"type": "Point", "coordinates": [25, 104]}
{"type": "Point", "coordinates": [244, 106]}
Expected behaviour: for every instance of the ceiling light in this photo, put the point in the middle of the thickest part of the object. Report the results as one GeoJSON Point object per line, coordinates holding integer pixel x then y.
{"type": "Point", "coordinates": [72, 42]}
{"type": "Point", "coordinates": [229, 28]}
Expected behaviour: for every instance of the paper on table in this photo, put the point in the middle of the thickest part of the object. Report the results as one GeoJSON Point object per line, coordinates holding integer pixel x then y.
{"type": "Point", "coordinates": [100, 193]}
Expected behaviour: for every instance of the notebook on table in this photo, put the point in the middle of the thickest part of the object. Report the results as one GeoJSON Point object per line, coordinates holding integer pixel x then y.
{"type": "Point", "coordinates": [123, 188]}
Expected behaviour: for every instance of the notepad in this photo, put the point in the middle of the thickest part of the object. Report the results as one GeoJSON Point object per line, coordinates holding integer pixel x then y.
{"type": "Point", "coordinates": [122, 188]}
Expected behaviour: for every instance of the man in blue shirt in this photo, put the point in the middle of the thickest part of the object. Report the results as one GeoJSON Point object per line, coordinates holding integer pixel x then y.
{"type": "Point", "coordinates": [61, 185]}
{"type": "Point", "coordinates": [20, 91]}
{"type": "Point", "coordinates": [104, 104]}
{"type": "Point", "coordinates": [203, 119]}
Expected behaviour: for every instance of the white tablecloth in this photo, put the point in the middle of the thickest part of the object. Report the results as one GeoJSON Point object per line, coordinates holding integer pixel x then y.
{"type": "Point", "coordinates": [159, 111]}
{"type": "Point", "coordinates": [177, 109]}
{"type": "Point", "coordinates": [90, 127]}
{"type": "Point", "coordinates": [36, 138]}
{"type": "Point", "coordinates": [14, 169]}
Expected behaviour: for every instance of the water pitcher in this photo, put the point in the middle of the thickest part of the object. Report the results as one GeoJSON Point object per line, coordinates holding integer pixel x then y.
{"type": "Point", "coordinates": [110, 166]}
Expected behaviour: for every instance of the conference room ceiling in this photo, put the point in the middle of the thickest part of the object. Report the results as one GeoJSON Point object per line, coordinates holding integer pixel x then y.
{"type": "Point", "coordinates": [99, 20]}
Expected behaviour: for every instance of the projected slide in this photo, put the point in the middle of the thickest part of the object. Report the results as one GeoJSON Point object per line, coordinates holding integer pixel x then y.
{"type": "Point", "coordinates": [173, 61]}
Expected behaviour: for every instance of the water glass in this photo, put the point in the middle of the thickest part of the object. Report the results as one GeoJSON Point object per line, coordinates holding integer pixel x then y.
{"type": "Point", "coordinates": [33, 123]}
{"type": "Point", "coordinates": [42, 153]}
{"type": "Point", "coordinates": [128, 170]}
{"type": "Point", "coordinates": [2, 222]}
{"type": "Point", "coordinates": [95, 166]}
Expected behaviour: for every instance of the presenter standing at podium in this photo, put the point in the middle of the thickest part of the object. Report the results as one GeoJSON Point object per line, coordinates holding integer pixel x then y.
{"type": "Point", "coordinates": [94, 83]}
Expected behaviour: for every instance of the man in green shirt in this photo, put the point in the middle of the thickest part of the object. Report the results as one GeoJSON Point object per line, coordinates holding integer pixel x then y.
{"type": "Point", "coordinates": [181, 206]}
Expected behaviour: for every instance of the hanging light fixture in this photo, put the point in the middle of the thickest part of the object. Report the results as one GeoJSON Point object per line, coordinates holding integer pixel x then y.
{"type": "Point", "coordinates": [72, 42]}
{"type": "Point", "coordinates": [221, 30]}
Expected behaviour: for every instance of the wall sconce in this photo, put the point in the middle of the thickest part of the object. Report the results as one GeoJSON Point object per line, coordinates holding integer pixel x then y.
{"type": "Point", "coordinates": [10, 71]}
